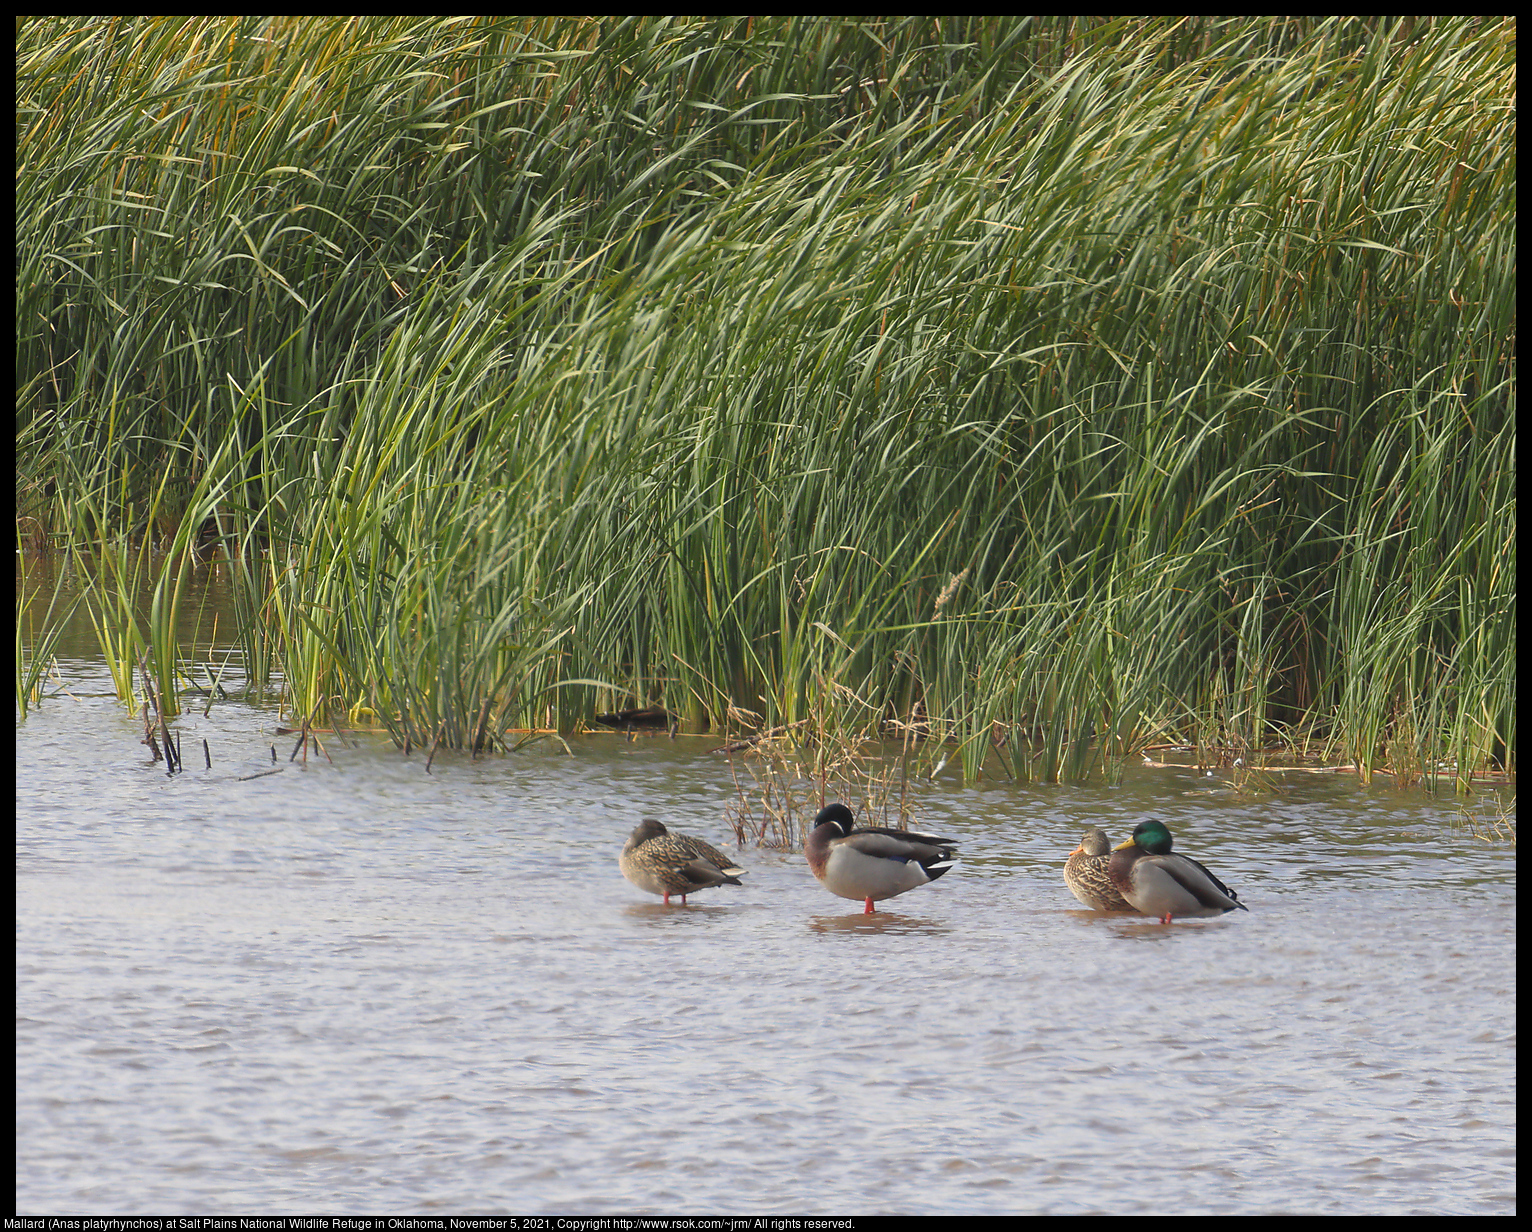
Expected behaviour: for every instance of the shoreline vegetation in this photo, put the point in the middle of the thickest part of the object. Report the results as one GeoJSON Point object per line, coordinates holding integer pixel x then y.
{"type": "Point", "coordinates": [1030, 391]}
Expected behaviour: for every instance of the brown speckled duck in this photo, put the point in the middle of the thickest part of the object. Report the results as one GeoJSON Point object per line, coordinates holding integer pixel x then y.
{"type": "Point", "coordinates": [1160, 883]}
{"type": "Point", "coordinates": [1086, 874]}
{"type": "Point", "coordinates": [663, 863]}
{"type": "Point", "coordinates": [873, 863]}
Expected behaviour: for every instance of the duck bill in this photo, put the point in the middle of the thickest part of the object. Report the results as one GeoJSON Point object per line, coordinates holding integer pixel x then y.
{"type": "Point", "coordinates": [1124, 845]}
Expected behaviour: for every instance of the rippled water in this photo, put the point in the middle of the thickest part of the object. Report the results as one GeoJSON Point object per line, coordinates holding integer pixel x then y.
{"type": "Point", "coordinates": [361, 987]}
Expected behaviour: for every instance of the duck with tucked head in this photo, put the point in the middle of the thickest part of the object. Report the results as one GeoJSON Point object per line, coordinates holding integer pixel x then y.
{"type": "Point", "coordinates": [1086, 874]}
{"type": "Point", "coordinates": [1158, 882]}
{"type": "Point", "coordinates": [873, 863]}
{"type": "Point", "coordinates": [663, 863]}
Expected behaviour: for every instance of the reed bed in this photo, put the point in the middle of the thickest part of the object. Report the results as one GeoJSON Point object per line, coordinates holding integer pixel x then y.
{"type": "Point", "coordinates": [1047, 386]}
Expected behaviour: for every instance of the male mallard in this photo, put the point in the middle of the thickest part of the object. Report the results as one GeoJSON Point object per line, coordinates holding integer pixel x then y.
{"type": "Point", "coordinates": [873, 863]}
{"type": "Point", "coordinates": [663, 863]}
{"type": "Point", "coordinates": [1086, 875]}
{"type": "Point", "coordinates": [1157, 882]}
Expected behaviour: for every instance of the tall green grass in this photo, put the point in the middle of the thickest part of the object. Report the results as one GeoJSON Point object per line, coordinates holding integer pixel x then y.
{"type": "Point", "coordinates": [37, 633]}
{"type": "Point", "coordinates": [1061, 384]}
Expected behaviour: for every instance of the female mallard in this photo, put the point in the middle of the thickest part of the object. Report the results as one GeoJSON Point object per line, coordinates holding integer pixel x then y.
{"type": "Point", "coordinates": [663, 863]}
{"type": "Point", "coordinates": [1157, 882]}
{"type": "Point", "coordinates": [873, 863]}
{"type": "Point", "coordinates": [1086, 875]}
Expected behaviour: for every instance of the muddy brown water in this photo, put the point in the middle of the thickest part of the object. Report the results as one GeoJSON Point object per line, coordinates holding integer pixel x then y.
{"type": "Point", "coordinates": [359, 987]}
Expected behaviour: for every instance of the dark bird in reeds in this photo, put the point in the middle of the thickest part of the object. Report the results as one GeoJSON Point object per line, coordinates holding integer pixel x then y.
{"type": "Point", "coordinates": [1159, 882]}
{"type": "Point", "coordinates": [1088, 877]}
{"type": "Point", "coordinates": [872, 864]}
{"type": "Point", "coordinates": [641, 718]}
{"type": "Point", "coordinates": [659, 862]}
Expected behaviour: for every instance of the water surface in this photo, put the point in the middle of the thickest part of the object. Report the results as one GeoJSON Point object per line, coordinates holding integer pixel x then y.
{"type": "Point", "coordinates": [360, 987]}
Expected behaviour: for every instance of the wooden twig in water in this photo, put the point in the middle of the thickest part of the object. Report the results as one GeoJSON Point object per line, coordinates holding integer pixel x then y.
{"type": "Point", "coordinates": [149, 733]}
{"type": "Point", "coordinates": [478, 736]}
{"type": "Point", "coordinates": [305, 734]}
{"type": "Point", "coordinates": [749, 742]}
{"type": "Point", "coordinates": [172, 753]}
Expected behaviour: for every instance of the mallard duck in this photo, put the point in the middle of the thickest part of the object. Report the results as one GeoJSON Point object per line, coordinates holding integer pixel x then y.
{"type": "Point", "coordinates": [1156, 882]}
{"type": "Point", "coordinates": [663, 863]}
{"type": "Point", "coordinates": [638, 718]}
{"type": "Point", "coordinates": [873, 863]}
{"type": "Point", "coordinates": [1086, 875]}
